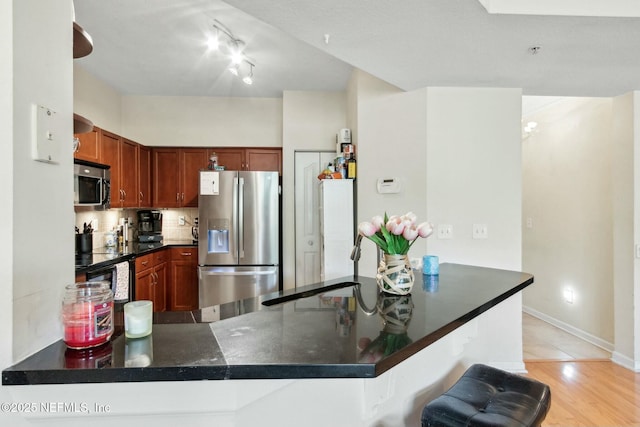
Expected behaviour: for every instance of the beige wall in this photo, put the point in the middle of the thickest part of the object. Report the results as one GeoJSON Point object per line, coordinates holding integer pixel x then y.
{"type": "Point", "coordinates": [567, 197]}
{"type": "Point", "coordinates": [96, 100]}
{"type": "Point", "coordinates": [202, 121]}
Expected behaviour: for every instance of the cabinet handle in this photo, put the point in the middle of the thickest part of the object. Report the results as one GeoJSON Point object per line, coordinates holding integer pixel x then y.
{"type": "Point", "coordinates": [141, 196]}
{"type": "Point", "coordinates": [177, 197]}
{"type": "Point", "coordinates": [124, 194]}
{"type": "Point", "coordinates": [183, 197]}
{"type": "Point", "coordinates": [144, 263]}
{"type": "Point", "coordinates": [78, 146]}
{"type": "Point", "coordinates": [186, 254]}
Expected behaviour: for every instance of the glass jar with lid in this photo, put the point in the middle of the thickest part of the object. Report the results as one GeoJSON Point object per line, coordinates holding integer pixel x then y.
{"type": "Point", "coordinates": [87, 314]}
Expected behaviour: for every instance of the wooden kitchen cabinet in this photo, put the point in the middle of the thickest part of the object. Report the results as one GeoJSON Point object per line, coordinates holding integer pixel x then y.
{"type": "Point", "coordinates": [151, 279]}
{"type": "Point", "coordinates": [264, 159]}
{"type": "Point", "coordinates": [88, 146]}
{"type": "Point", "coordinates": [122, 155]}
{"type": "Point", "coordinates": [129, 174]}
{"type": "Point", "coordinates": [175, 176]}
{"type": "Point", "coordinates": [144, 176]}
{"type": "Point", "coordinates": [183, 283]}
{"type": "Point", "coordinates": [249, 159]}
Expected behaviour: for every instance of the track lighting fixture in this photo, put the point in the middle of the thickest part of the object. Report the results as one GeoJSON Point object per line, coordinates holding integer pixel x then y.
{"type": "Point", "coordinates": [233, 48]}
{"type": "Point", "coordinates": [248, 79]}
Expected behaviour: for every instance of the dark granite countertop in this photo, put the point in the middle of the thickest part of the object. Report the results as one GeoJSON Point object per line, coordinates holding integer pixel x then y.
{"type": "Point", "coordinates": [103, 257]}
{"type": "Point", "coordinates": [336, 329]}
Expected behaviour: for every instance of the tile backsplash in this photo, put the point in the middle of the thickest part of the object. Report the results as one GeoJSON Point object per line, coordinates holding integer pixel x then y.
{"type": "Point", "coordinates": [103, 221]}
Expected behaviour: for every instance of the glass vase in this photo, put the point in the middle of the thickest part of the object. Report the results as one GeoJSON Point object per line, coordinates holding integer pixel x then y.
{"type": "Point", "coordinates": [395, 275]}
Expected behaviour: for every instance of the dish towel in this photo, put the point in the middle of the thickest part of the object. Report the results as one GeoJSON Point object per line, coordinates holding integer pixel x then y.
{"type": "Point", "coordinates": [122, 282]}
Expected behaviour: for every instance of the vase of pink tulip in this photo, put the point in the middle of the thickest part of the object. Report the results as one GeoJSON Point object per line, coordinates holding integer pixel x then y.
{"type": "Point", "coordinates": [394, 236]}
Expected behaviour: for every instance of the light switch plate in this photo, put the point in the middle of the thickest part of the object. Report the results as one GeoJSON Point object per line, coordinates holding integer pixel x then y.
{"type": "Point", "coordinates": [445, 231]}
{"type": "Point", "coordinates": [480, 231]}
{"type": "Point", "coordinates": [45, 134]}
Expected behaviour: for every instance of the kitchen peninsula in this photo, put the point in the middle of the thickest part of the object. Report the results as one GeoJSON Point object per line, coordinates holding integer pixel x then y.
{"type": "Point", "coordinates": [388, 354]}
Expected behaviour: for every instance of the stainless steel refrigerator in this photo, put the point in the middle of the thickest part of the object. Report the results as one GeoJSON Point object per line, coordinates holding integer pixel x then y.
{"type": "Point", "coordinates": [238, 235]}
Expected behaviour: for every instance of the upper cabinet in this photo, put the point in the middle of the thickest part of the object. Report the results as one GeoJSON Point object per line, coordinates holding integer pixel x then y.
{"type": "Point", "coordinates": [249, 159]}
{"type": "Point", "coordinates": [88, 145]}
{"type": "Point", "coordinates": [175, 176]}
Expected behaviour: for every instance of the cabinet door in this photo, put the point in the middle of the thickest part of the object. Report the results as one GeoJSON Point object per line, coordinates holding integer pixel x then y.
{"type": "Point", "coordinates": [264, 159]}
{"type": "Point", "coordinates": [231, 158]}
{"type": "Point", "coordinates": [192, 161]}
{"type": "Point", "coordinates": [144, 284]}
{"type": "Point", "coordinates": [160, 287]}
{"type": "Point", "coordinates": [129, 173]}
{"type": "Point", "coordinates": [183, 286]}
{"type": "Point", "coordinates": [110, 155]}
{"type": "Point", "coordinates": [165, 178]}
{"type": "Point", "coordinates": [88, 146]}
{"type": "Point", "coordinates": [144, 176]}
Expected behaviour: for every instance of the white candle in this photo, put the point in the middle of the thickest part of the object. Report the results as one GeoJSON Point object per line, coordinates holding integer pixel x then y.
{"type": "Point", "coordinates": [138, 318]}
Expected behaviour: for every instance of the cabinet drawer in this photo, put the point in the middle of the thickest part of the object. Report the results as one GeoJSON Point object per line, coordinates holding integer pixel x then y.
{"type": "Point", "coordinates": [161, 256]}
{"type": "Point", "coordinates": [184, 253]}
{"type": "Point", "coordinates": [143, 262]}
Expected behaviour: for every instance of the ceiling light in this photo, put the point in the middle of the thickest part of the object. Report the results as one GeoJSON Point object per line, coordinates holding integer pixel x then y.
{"type": "Point", "coordinates": [233, 48]}
{"type": "Point", "coordinates": [248, 79]}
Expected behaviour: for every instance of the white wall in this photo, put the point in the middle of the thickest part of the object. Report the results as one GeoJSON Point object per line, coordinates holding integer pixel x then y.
{"type": "Point", "coordinates": [42, 195]}
{"type": "Point", "coordinates": [202, 121]}
{"type": "Point", "coordinates": [474, 174]}
{"type": "Point", "coordinates": [310, 121]}
{"type": "Point", "coordinates": [6, 184]}
{"type": "Point", "coordinates": [567, 195]}
{"type": "Point", "coordinates": [391, 142]}
{"type": "Point", "coordinates": [626, 229]}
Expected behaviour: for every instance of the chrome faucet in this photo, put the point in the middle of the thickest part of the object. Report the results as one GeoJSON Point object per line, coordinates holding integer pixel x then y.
{"type": "Point", "coordinates": [355, 252]}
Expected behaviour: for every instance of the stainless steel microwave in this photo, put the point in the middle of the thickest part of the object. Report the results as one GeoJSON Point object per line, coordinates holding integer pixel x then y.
{"type": "Point", "coordinates": [91, 184]}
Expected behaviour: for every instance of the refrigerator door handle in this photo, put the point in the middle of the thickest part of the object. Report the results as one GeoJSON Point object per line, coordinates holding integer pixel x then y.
{"type": "Point", "coordinates": [204, 272]}
{"type": "Point", "coordinates": [234, 218]}
{"type": "Point", "coordinates": [241, 218]}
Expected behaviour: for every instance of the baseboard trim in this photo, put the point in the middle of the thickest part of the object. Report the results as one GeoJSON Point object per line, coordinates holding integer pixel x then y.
{"type": "Point", "coordinates": [625, 362]}
{"type": "Point", "coordinates": [599, 342]}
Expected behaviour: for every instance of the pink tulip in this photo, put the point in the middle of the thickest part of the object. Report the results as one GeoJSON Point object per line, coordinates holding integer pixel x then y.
{"type": "Point", "coordinates": [410, 216]}
{"type": "Point", "coordinates": [378, 222]}
{"type": "Point", "coordinates": [367, 229]}
{"type": "Point", "coordinates": [425, 229]}
{"type": "Point", "coordinates": [410, 233]}
{"type": "Point", "coordinates": [395, 225]}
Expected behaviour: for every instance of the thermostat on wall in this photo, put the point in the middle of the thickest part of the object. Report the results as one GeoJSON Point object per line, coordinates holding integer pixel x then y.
{"type": "Point", "coordinates": [388, 185]}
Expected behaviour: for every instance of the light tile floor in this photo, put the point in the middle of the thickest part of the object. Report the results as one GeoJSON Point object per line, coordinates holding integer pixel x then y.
{"type": "Point", "coordinates": [543, 341]}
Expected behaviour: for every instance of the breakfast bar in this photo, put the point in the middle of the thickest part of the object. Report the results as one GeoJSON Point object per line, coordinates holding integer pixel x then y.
{"type": "Point", "coordinates": [388, 354]}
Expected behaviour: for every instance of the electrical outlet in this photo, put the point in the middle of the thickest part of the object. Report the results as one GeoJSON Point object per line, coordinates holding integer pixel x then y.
{"type": "Point", "coordinates": [95, 224]}
{"type": "Point", "coordinates": [445, 231]}
{"type": "Point", "coordinates": [181, 220]}
{"type": "Point", "coordinates": [480, 231]}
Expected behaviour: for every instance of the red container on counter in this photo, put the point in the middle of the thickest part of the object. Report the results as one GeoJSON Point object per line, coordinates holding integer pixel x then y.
{"type": "Point", "coordinates": [87, 314]}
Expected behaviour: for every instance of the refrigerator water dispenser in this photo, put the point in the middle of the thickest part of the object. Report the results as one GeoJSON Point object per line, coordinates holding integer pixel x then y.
{"type": "Point", "coordinates": [218, 241]}
{"type": "Point", "coordinates": [218, 236]}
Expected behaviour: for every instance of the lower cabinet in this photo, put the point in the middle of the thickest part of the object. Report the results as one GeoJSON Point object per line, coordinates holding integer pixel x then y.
{"type": "Point", "coordinates": [169, 278]}
{"type": "Point", "coordinates": [151, 279]}
{"type": "Point", "coordinates": [183, 285]}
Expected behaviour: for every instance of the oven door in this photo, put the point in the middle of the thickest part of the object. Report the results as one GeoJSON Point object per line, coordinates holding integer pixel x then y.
{"type": "Point", "coordinates": [119, 276]}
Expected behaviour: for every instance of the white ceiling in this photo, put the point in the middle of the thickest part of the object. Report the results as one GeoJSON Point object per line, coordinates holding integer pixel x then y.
{"type": "Point", "coordinates": [157, 47]}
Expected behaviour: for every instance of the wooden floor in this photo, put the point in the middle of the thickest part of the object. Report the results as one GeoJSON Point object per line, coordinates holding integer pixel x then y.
{"type": "Point", "coordinates": [587, 389]}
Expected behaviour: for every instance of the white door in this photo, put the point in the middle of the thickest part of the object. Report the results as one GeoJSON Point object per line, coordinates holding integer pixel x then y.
{"type": "Point", "coordinates": [307, 214]}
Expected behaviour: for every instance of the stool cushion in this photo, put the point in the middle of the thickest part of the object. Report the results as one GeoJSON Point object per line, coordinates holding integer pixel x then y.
{"type": "Point", "coordinates": [486, 396]}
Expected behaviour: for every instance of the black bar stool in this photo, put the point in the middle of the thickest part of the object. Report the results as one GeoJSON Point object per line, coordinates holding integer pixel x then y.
{"type": "Point", "coordinates": [485, 396]}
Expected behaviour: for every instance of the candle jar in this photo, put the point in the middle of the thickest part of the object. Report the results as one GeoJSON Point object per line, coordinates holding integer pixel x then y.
{"type": "Point", "coordinates": [87, 314]}
{"type": "Point", "coordinates": [138, 318]}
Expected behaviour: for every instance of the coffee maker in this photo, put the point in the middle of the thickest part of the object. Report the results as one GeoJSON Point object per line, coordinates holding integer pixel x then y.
{"type": "Point", "coordinates": [149, 229]}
